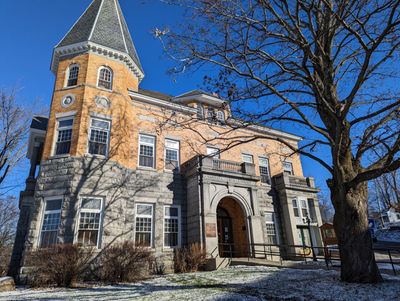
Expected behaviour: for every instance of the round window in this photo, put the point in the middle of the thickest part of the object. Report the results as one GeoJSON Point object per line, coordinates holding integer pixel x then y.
{"type": "Point", "coordinates": [67, 100]}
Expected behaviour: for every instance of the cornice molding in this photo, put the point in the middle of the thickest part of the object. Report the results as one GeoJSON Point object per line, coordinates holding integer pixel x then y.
{"type": "Point", "coordinates": [90, 47]}
{"type": "Point", "coordinates": [188, 110]}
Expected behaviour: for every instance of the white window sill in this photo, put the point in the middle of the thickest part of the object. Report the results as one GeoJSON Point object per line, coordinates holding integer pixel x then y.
{"type": "Point", "coordinates": [60, 156]}
{"type": "Point", "coordinates": [96, 156]}
{"type": "Point", "coordinates": [146, 168]}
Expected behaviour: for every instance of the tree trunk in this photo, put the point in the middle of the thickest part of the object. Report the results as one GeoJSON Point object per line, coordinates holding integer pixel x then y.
{"type": "Point", "coordinates": [355, 242]}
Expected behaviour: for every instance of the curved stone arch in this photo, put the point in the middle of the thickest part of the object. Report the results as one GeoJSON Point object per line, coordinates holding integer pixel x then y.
{"type": "Point", "coordinates": [244, 204]}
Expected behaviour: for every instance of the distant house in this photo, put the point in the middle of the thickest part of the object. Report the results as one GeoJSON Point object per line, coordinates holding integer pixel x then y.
{"type": "Point", "coordinates": [389, 218]}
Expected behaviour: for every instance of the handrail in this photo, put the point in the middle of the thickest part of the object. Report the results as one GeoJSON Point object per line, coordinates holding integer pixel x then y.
{"type": "Point", "coordinates": [303, 252]}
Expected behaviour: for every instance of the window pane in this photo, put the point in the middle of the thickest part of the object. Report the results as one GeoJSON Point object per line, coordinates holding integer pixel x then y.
{"type": "Point", "coordinates": [52, 205]}
{"type": "Point", "coordinates": [172, 144]}
{"type": "Point", "coordinates": [171, 211]}
{"type": "Point", "coordinates": [105, 78]}
{"type": "Point", "coordinates": [73, 76]}
{"type": "Point", "coordinates": [65, 123]}
{"type": "Point", "coordinates": [146, 139]}
{"type": "Point", "coordinates": [271, 234]}
{"type": "Point", "coordinates": [247, 158]}
{"type": "Point", "coordinates": [269, 217]}
{"type": "Point", "coordinates": [263, 162]}
{"type": "Point", "coordinates": [91, 203]}
{"type": "Point", "coordinates": [100, 124]}
{"type": "Point", "coordinates": [144, 209]}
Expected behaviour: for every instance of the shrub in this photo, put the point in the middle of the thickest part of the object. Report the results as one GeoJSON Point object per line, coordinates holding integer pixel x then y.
{"type": "Point", "coordinates": [62, 265]}
{"type": "Point", "coordinates": [124, 262]}
{"type": "Point", "coordinates": [5, 256]}
{"type": "Point", "coordinates": [189, 258]}
{"type": "Point", "coordinates": [158, 267]}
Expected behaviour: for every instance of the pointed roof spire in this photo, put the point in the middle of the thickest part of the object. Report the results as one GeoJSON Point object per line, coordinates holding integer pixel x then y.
{"type": "Point", "coordinates": [101, 28]}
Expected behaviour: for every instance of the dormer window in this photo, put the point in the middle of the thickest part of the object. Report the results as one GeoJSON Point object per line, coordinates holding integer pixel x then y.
{"type": "Point", "coordinates": [200, 111]}
{"type": "Point", "coordinates": [73, 73]}
{"type": "Point", "coordinates": [105, 78]}
{"type": "Point", "coordinates": [211, 115]}
{"type": "Point", "coordinates": [221, 117]}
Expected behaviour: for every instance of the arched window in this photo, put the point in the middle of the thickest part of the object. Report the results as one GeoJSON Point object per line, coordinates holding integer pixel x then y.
{"type": "Point", "coordinates": [73, 73]}
{"type": "Point", "coordinates": [221, 117]}
{"type": "Point", "coordinates": [105, 78]}
{"type": "Point", "coordinates": [200, 111]}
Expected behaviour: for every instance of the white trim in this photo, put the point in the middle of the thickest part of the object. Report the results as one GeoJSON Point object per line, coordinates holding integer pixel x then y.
{"type": "Point", "coordinates": [57, 128]}
{"type": "Point", "coordinates": [152, 205]}
{"type": "Point", "coordinates": [64, 97]}
{"type": "Point", "coordinates": [179, 218]}
{"type": "Point", "coordinates": [101, 211]}
{"type": "Point", "coordinates": [108, 135]}
{"type": "Point", "coordinates": [98, 77]}
{"type": "Point", "coordinates": [74, 24]}
{"type": "Point", "coordinates": [178, 150]}
{"type": "Point", "coordinates": [248, 155]}
{"type": "Point", "coordinates": [147, 144]}
{"type": "Point", "coordinates": [66, 114]}
{"type": "Point", "coordinates": [189, 110]}
{"type": "Point", "coordinates": [100, 116]}
{"type": "Point", "coordinates": [161, 103]}
{"type": "Point", "coordinates": [202, 98]}
{"type": "Point", "coordinates": [95, 21]}
{"type": "Point", "coordinates": [90, 47]}
{"type": "Point", "coordinates": [44, 212]}
{"type": "Point", "coordinates": [272, 223]}
{"type": "Point", "coordinates": [67, 74]}
{"type": "Point", "coordinates": [120, 26]}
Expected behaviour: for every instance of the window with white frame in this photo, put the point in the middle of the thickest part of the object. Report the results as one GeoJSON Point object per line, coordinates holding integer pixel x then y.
{"type": "Point", "coordinates": [171, 154]}
{"type": "Point", "coordinates": [171, 226]}
{"type": "Point", "coordinates": [73, 73]}
{"type": "Point", "coordinates": [99, 136]}
{"type": "Point", "coordinates": [105, 78]}
{"type": "Point", "coordinates": [213, 152]}
{"type": "Point", "coordinates": [221, 117]}
{"type": "Point", "coordinates": [304, 208]}
{"type": "Point", "coordinates": [64, 135]}
{"type": "Point", "coordinates": [146, 150]}
{"type": "Point", "coordinates": [211, 115]}
{"type": "Point", "coordinates": [295, 208]}
{"type": "Point", "coordinates": [264, 170]}
{"type": "Point", "coordinates": [144, 225]}
{"type": "Point", "coordinates": [270, 228]}
{"type": "Point", "coordinates": [51, 222]}
{"type": "Point", "coordinates": [288, 168]}
{"type": "Point", "coordinates": [200, 111]}
{"type": "Point", "coordinates": [247, 158]}
{"type": "Point", "coordinates": [90, 216]}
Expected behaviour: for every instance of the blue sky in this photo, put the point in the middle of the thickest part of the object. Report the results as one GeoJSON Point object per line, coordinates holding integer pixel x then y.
{"type": "Point", "coordinates": [31, 28]}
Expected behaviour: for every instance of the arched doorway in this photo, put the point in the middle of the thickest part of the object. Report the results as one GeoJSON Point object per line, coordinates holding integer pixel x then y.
{"type": "Point", "coordinates": [232, 229]}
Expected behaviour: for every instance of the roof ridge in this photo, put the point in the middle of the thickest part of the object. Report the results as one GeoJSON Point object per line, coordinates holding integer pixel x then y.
{"type": "Point", "coordinates": [120, 25]}
{"type": "Point", "coordinates": [102, 24]}
{"type": "Point", "coordinates": [95, 21]}
{"type": "Point", "coordinates": [87, 8]}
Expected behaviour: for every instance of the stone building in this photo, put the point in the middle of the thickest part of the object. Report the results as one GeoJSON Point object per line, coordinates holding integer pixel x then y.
{"type": "Point", "coordinates": [114, 162]}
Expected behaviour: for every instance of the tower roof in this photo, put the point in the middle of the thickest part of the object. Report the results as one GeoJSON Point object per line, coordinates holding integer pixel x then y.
{"type": "Point", "coordinates": [102, 25]}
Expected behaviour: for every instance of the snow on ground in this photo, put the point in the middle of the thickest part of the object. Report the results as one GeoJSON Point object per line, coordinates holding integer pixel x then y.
{"type": "Point", "coordinates": [234, 283]}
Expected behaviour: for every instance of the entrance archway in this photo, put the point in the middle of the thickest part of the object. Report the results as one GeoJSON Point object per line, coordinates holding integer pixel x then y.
{"type": "Point", "coordinates": [232, 229]}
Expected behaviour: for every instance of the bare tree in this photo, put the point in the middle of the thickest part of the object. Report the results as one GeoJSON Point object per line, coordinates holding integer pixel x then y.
{"type": "Point", "coordinates": [386, 190]}
{"type": "Point", "coordinates": [14, 125]}
{"type": "Point", "coordinates": [327, 66]}
{"type": "Point", "coordinates": [8, 221]}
